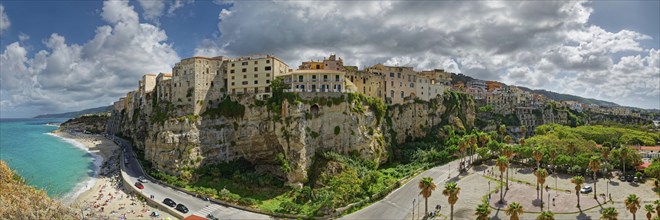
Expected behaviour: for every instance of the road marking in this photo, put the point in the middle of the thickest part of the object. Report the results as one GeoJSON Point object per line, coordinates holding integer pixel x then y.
{"type": "Point", "coordinates": [207, 210]}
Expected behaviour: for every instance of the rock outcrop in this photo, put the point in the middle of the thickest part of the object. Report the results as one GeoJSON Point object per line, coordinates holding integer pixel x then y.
{"type": "Point", "coordinates": [304, 127]}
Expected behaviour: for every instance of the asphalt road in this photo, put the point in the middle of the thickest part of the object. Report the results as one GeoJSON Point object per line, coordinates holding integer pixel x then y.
{"type": "Point", "coordinates": [160, 192]}
{"type": "Point", "coordinates": [399, 203]}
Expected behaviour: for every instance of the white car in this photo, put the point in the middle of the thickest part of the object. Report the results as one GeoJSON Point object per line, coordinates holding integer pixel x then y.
{"type": "Point", "coordinates": [586, 189]}
{"type": "Point", "coordinates": [142, 179]}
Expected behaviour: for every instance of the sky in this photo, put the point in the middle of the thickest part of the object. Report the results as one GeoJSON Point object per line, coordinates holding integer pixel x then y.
{"type": "Point", "coordinates": [59, 56]}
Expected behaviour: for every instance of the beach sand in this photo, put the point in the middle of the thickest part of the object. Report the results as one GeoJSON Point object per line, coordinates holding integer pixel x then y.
{"type": "Point", "coordinates": [108, 198]}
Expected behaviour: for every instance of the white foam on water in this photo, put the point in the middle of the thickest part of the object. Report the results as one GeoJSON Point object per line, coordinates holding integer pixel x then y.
{"type": "Point", "coordinates": [88, 183]}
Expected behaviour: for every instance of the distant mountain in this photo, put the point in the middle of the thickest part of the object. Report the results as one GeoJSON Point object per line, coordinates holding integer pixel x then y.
{"type": "Point", "coordinates": [78, 113]}
{"type": "Point", "coordinates": [566, 97]}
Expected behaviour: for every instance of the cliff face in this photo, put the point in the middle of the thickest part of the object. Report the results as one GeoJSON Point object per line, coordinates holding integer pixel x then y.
{"type": "Point", "coordinates": [91, 123]}
{"type": "Point", "coordinates": [302, 128]}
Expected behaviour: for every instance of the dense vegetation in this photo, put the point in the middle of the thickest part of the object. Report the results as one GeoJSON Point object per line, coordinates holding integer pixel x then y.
{"type": "Point", "coordinates": [20, 201]}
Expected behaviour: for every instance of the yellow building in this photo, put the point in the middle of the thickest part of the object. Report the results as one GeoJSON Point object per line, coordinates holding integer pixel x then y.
{"type": "Point", "coordinates": [399, 82]}
{"type": "Point", "coordinates": [253, 75]}
{"type": "Point", "coordinates": [164, 87]}
{"type": "Point", "coordinates": [197, 83]}
{"type": "Point", "coordinates": [331, 63]}
{"type": "Point", "coordinates": [369, 84]}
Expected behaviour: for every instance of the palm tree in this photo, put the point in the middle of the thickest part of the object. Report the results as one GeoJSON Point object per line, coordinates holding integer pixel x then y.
{"type": "Point", "coordinates": [541, 174]}
{"type": "Point", "coordinates": [538, 155]}
{"type": "Point", "coordinates": [427, 186]}
{"type": "Point", "coordinates": [632, 204]}
{"type": "Point", "coordinates": [508, 152]}
{"type": "Point", "coordinates": [502, 132]}
{"type": "Point", "coordinates": [502, 163]}
{"type": "Point", "coordinates": [473, 145]}
{"type": "Point", "coordinates": [514, 210]}
{"type": "Point", "coordinates": [523, 129]}
{"type": "Point", "coordinates": [594, 165]}
{"type": "Point", "coordinates": [650, 209]}
{"type": "Point", "coordinates": [451, 191]}
{"type": "Point", "coordinates": [624, 154]}
{"type": "Point", "coordinates": [546, 215]}
{"type": "Point", "coordinates": [609, 213]}
{"type": "Point", "coordinates": [483, 210]}
{"type": "Point", "coordinates": [578, 181]}
{"type": "Point", "coordinates": [462, 147]}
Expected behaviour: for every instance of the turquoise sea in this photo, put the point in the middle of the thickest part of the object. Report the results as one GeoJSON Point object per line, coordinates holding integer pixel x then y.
{"type": "Point", "coordinates": [59, 166]}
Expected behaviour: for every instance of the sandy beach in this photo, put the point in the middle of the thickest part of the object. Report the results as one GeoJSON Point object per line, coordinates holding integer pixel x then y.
{"type": "Point", "coordinates": [107, 198]}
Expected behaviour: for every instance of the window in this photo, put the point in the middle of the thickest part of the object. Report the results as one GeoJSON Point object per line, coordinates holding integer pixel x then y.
{"type": "Point", "coordinates": [392, 75]}
{"type": "Point", "coordinates": [401, 94]}
{"type": "Point", "coordinates": [392, 83]}
{"type": "Point", "coordinates": [267, 61]}
{"type": "Point", "coordinates": [256, 82]}
{"type": "Point", "coordinates": [392, 93]}
{"type": "Point", "coordinates": [267, 89]}
{"type": "Point", "coordinates": [313, 78]}
{"type": "Point", "coordinates": [244, 76]}
{"type": "Point", "coordinates": [412, 85]}
{"type": "Point", "coordinates": [244, 70]}
{"type": "Point", "coordinates": [244, 82]}
{"type": "Point", "coordinates": [400, 84]}
{"type": "Point", "coordinates": [244, 64]}
{"type": "Point", "coordinates": [268, 75]}
{"type": "Point", "coordinates": [300, 78]}
{"type": "Point", "coordinates": [337, 78]}
{"type": "Point", "coordinates": [256, 90]}
{"type": "Point", "coordinates": [318, 66]}
{"type": "Point", "coordinates": [233, 64]}
{"type": "Point", "coordinates": [232, 77]}
{"type": "Point", "coordinates": [398, 75]}
{"type": "Point", "coordinates": [256, 62]}
{"type": "Point", "coordinates": [255, 75]}
{"type": "Point", "coordinates": [232, 83]}
{"type": "Point", "coordinates": [267, 81]}
{"type": "Point", "coordinates": [267, 68]}
{"type": "Point", "coordinates": [231, 71]}
{"type": "Point", "coordinates": [256, 68]}
{"type": "Point", "coordinates": [325, 78]}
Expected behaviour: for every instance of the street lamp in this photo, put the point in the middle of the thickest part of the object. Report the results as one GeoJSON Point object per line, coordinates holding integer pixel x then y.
{"type": "Point", "coordinates": [488, 189]}
{"type": "Point", "coordinates": [449, 175]}
{"type": "Point", "coordinates": [413, 209]}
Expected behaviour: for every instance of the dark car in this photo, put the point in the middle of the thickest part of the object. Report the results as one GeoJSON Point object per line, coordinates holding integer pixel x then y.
{"type": "Point", "coordinates": [182, 208]}
{"type": "Point", "coordinates": [139, 185]}
{"type": "Point", "coordinates": [630, 178]}
{"type": "Point", "coordinates": [169, 202]}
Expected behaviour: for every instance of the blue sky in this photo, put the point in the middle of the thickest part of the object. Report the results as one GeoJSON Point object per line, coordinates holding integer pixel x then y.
{"type": "Point", "coordinates": [68, 55]}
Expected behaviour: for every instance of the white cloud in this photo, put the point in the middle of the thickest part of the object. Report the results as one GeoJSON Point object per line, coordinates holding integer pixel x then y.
{"type": "Point", "coordinates": [153, 9]}
{"type": "Point", "coordinates": [70, 76]}
{"type": "Point", "coordinates": [177, 4]}
{"type": "Point", "coordinates": [4, 20]}
{"type": "Point", "coordinates": [23, 37]}
{"type": "Point", "coordinates": [527, 43]}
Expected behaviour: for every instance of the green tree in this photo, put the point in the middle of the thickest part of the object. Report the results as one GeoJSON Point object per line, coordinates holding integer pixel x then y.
{"type": "Point", "coordinates": [514, 210]}
{"type": "Point", "coordinates": [632, 204]}
{"type": "Point", "coordinates": [546, 215]}
{"type": "Point", "coordinates": [483, 210]}
{"type": "Point", "coordinates": [578, 181]}
{"type": "Point", "coordinates": [502, 163]}
{"type": "Point", "coordinates": [650, 209]}
{"type": "Point", "coordinates": [594, 165]}
{"type": "Point", "coordinates": [508, 152]}
{"type": "Point", "coordinates": [538, 156]}
{"type": "Point", "coordinates": [523, 129]}
{"type": "Point", "coordinates": [609, 213]}
{"type": "Point", "coordinates": [541, 174]}
{"type": "Point", "coordinates": [657, 206]}
{"type": "Point", "coordinates": [427, 187]}
{"type": "Point", "coordinates": [451, 191]}
{"type": "Point", "coordinates": [502, 130]}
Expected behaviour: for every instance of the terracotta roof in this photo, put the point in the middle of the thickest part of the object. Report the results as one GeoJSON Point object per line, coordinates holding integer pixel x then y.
{"type": "Point", "coordinates": [648, 148]}
{"type": "Point", "coordinates": [643, 166]}
{"type": "Point", "coordinates": [150, 74]}
{"type": "Point", "coordinates": [194, 217]}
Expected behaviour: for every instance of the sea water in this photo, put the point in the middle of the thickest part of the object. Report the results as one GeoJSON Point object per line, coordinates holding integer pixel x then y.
{"type": "Point", "coordinates": [60, 166]}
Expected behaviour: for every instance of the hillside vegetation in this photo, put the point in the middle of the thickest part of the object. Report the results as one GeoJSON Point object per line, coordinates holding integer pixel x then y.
{"type": "Point", "coordinates": [20, 201]}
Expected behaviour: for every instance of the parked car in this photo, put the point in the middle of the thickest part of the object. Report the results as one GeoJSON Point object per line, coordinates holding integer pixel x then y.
{"type": "Point", "coordinates": [630, 178]}
{"type": "Point", "coordinates": [169, 202]}
{"type": "Point", "coordinates": [142, 179]}
{"type": "Point", "coordinates": [211, 217]}
{"type": "Point", "coordinates": [181, 208]}
{"type": "Point", "coordinates": [586, 189]}
{"type": "Point", "coordinates": [139, 185]}
{"type": "Point", "coordinates": [622, 178]}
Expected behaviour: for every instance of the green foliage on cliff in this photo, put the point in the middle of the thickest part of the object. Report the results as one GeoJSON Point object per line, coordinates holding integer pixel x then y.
{"type": "Point", "coordinates": [376, 105]}
{"type": "Point", "coordinates": [226, 108]}
{"type": "Point", "coordinates": [603, 134]}
{"type": "Point", "coordinates": [162, 113]}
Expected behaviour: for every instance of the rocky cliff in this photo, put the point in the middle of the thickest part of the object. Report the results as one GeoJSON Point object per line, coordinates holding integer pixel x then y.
{"type": "Point", "coordinates": [87, 123]}
{"type": "Point", "coordinates": [242, 127]}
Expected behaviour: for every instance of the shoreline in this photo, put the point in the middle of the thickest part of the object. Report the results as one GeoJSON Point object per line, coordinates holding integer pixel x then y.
{"type": "Point", "coordinates": [85, 185]}
{"type": "Point", "coordinates": [104, 194]}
